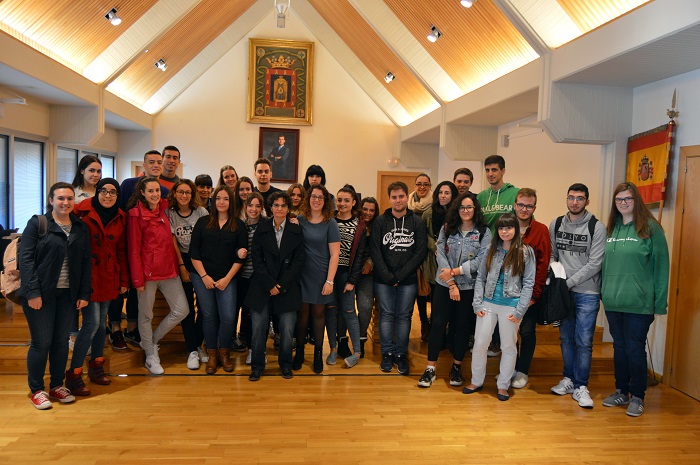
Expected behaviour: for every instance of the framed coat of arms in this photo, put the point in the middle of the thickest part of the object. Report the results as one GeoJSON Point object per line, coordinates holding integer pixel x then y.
{"type": "Point", "coordinates": [280, 81]}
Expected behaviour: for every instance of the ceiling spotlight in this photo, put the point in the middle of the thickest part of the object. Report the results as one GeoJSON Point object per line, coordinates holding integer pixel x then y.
{"type": "Point", "coordinates": [113, 18]}
{"type": "Point", "coordinates": [435, 34]}
{"type": "Point", "coordinates": [160, 64]}
{"type": "Point", "coordinates": [389, 77]}
{"type": "Point", "coordinates": [281, 7]}
{"type": "Point", "coordinates": [467, 3]}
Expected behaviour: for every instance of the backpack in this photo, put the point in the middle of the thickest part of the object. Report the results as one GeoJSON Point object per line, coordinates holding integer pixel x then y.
{"type": "Point", "coordinates": [10, 279]}
{"type": "Point", "coordinates": [555, 302]}
{"type": "Point", "coordinates": [591, 226]}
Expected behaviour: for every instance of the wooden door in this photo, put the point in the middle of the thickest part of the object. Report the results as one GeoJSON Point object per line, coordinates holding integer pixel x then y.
{"type": "Point", "coordinates": [384, 178]}
{"type": "Point", "coordinates": [684, 309]}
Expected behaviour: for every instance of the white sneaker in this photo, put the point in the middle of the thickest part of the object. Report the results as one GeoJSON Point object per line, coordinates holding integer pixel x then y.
{"type": "Point", "coordinates": [249, 357]}
{"type": "Point", "coordinates": [71, 343]}
{"type": "Point", "coordinates": [565, 386]}
{"type": "Point", "coordinates": [203, 357]}
{"type": "Point", "coordinates": [583, 397]}
{"type": "Point", "coordinates": [193, 360]}
{"type": "Point", "coordinates": [153, 365]}
{"type": "Point", "coordinates": [519, 381]}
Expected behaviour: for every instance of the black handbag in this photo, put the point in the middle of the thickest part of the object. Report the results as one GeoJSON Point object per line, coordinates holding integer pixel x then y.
{"type": "Point", "coordinates": [555, 302]}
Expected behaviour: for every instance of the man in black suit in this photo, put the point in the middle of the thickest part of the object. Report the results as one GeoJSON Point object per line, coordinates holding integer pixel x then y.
{"type": "Point", "coordinates": [279, 156]}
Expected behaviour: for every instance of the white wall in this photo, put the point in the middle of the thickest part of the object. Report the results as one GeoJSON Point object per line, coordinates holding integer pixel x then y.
{"type": "Point", "coordinates": [650, 104]}
{"type": "Point", "coordinates": [350, 136]}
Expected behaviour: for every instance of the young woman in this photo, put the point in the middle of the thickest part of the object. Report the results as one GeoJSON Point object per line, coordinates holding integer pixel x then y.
{"type": "Point", "coordinates": [153, 264]}
{"type": "Point", "coordinates": [434, 218]}
{"type": "Point", "coordinates": [322, 246]}
{"type": "Point", "coordinates": [228, 177]}
{"type": "Point", "coordinates": [460, 247]}
{"type": "Point", "coordinates": [316, 175]}
{"type": "Point", "coordinates": [421, 198]}
{"type": "Point", "coordinates": [110, 277]}
{"type": "Point", "coordinates": [635, 289]}
{"type": "Point", "coordinates": [253, 208]}
{"type": "Point", "coordinates": [218, 249]}
{"type": "Point", "coordinates": [296, 193]}
{"type": "Point", "coordinates": [55, 272]}
{"type": "Point", "coordinates": [183, 212]}
{"type": "Point", "coordinates": [244, 187]}
{"type": "Point", "coordinates": [353, 248]}
{"type": "Point", "coordinates": [203, 183]}
{"type": "Point", "coordinates": [86, 178]}
{"type": "Point", "coordinates": [364, 290]}
{"type": "Point", "coordinates": [502, 295]}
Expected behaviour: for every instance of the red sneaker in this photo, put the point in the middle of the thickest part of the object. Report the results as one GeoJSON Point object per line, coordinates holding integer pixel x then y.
{"type": "Point", "coordinates": [40, 400]}
{"type": "Point", "coordinates": [62, 395]}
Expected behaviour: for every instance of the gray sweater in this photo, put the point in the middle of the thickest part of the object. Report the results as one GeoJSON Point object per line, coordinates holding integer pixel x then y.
{"type": "Point", "coordinates": [581, 257]}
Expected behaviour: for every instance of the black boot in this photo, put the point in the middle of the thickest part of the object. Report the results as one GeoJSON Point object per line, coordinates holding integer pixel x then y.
{"type": "Point", "coordinates": [298, 358]}
{"type": "Point", "coordinates": [362, 346]}
{"type": "Point", "coordinates": [343, 348]}
{"type": "Point", "coordinates": [318, 361]}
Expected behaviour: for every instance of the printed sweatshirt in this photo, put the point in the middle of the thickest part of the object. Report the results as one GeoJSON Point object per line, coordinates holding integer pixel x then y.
{"type": "Point", "coordinates": [397, 247]}
{"type": "Point", "coordinates": [495, 203]}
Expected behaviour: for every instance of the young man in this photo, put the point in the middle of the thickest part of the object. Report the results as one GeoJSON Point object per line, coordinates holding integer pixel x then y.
{"type": "Point", "coordinates": [582, 258]}
{"type": "Point", "coordinates": [279, 157]}
{"type": "Point", "coordinates": [263, 174]}
{"type": "Point", "coordinates": [278, 256]}
{"type": "Point", "coordinates": [536, 235]}
{"type": "Point", "coordinates": [398, 244]}
{"type": "Point", "coordinates": [463, 179]}
{"type": "Point", "coordinates": [500, 196]}
{"type": "Point", "coordinates": [152, 166]}
{"type": "Point", "coordinates": [171, 160]}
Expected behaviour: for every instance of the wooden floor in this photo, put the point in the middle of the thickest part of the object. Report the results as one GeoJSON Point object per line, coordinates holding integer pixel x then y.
{"type": "Point", "coordinates": [357, 415]}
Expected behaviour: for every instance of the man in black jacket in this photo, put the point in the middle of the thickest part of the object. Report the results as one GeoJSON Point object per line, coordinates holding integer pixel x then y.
{"type": "Point", "coordinates": [398, 244]}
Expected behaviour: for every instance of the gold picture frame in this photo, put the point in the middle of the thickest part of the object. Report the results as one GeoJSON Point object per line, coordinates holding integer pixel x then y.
{"type": "Point", "coordinates": [280, 81]}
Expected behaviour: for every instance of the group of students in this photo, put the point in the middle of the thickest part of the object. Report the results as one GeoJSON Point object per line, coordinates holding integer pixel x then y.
{"type": "Point", "coordinates": [294, 260]}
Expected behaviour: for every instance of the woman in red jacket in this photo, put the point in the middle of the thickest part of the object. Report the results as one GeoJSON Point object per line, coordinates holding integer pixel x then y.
{"type": "Point", "coordinates": [153, 264]}
{"type": "Point", "coordinates": [110, 277]}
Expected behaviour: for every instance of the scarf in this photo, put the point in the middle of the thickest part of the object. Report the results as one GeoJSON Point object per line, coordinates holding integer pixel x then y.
{"type": "Point", "coordinates": [106, 214]}
{"type": "Point", "coordinates": [420, 205]}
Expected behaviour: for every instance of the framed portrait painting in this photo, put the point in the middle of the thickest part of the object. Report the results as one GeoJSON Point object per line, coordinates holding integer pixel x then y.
{"type": "Point", "coordinates": [280, 81]}
{"type": "Point", "coordinates": [281, 147]}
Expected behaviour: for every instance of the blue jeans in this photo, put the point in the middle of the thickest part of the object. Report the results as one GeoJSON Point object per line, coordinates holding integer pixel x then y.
{"type": "Point", "coordinates": [261, 322]}
{"type": "Point", "coordinates": [345, 302]}
{"type": "Point", "coordinates": [218, 309]}
{"type": "Point", "coordinates": [629, 332]}
{"type": "Point", "coordinates": [395, 311]}
{"type": "Point", "coordinates": [91, 334]}
{"type": "Point", "coordinates": [576, 334]}
{"type": "Point", "coordinates": [49, 327]}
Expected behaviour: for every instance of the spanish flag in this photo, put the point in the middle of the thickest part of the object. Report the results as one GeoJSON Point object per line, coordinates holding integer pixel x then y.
{"type": "Point", "coordinates": [647, 162]}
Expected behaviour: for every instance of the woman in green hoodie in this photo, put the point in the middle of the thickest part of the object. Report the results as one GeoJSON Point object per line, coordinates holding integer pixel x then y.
{"type": "Point", "coordinates": [635, 288]}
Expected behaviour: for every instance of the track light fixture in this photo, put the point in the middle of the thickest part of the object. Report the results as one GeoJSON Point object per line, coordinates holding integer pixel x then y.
{"type": "Point", "coordinates": [467, 3]}
{"type": "Point", "coordinates": [281, 8]}
{"type": "Point", "coordinates": [389, 77]}
{"type": "Point", "coordinates": [113, 18]}
{"type": "Point", "coordinates": [160, 64]}
{"type": "Point", "coordinates": [434, 35]}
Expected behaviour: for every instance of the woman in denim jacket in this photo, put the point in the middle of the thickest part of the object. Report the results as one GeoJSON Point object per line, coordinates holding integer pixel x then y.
{"type": "Point", "coordinates": [461, 247]}
{"type": "Point", "coordinates": [502, 295]}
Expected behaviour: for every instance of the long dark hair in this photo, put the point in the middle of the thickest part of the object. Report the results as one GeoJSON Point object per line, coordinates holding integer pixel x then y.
{"type": "Point", "coordinates": [314, 170]}
{"type": "Point", "coordinates": [233, 211]}
{"type": "Point", "coordinates": [236, 196]}
{"type": "Point", "coordinates": [221, 174]}
{"type": "Point", "coordinates": [137, 195]}
{"type": "Point", "coordinates": [641, 216]}
{"type": "Point", "coordinates": [172, 198]}
{"type": "Point", "coordinates": [349, 189]}
{"type": "Point", "coordinates": [454, 221]}
{"type": "Point", "coordinates": [515, 259]}
{"type": "Point", "coordinates": [87, 160]}
{"type": "Point", "coordinates": [305, 207]}
{"type": "Point", "coordinates": [53, 189]}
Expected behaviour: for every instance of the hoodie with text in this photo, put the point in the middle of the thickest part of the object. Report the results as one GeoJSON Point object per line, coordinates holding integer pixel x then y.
{"type": "Point", "coordinates": [495, 203]}
{"type": "Point", "coordinates": [397, 247]}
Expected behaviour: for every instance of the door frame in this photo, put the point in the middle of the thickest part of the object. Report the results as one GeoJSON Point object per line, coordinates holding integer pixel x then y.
{"type": "Point", "coordinates": [690, 151]}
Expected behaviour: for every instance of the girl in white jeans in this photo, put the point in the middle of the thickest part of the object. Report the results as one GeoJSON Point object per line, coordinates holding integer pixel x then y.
{"type": "Point", "coordinates": [502, 294]}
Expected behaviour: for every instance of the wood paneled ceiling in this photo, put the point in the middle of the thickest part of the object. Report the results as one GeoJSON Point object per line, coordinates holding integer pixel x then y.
{"type": "Point", "coordinates": [478, 45]}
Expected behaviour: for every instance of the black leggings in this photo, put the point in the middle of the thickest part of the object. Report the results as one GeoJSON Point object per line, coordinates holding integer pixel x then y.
{"type": "Point", "coordinates": [458, 313]}
{"type": "Point", "coordinates": [318, 314]}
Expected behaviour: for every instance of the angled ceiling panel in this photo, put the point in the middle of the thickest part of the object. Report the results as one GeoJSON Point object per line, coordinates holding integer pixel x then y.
{"type": "Point", "coordinates": [590, 14]}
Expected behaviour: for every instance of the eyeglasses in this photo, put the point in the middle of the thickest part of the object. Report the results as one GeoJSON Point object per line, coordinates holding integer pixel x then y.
{"type": "Point", "coordinates": [183, 192]}
{"type": "Point", "coordinates": [317, 197]}
{"type": "Point", "coordinates": [571, 198]}
{"type": "Point", "coordinates": [108, 193]}
{"type": "Point", "coordinates": [625, 200]}
{"type": "Point", "coordinates": [529, 208]}
{"type": "Point", "coordinates": [422, 184]}
{"type": "Point", "coordinates": [466, 208]}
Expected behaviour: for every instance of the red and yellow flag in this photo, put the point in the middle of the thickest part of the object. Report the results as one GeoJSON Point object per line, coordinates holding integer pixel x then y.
{"type": "Point", "coordinates": [647, 162]}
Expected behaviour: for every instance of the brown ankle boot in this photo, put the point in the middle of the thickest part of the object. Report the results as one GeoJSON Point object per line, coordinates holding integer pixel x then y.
{"type": "Point", "coordinates": [225, 360]}
{"type": "Point", "coordinates": [75, 384]}
{"type": "Point", "coordinates": [97, 373]}
{"type": "Point", "coordinates": [212, 362]}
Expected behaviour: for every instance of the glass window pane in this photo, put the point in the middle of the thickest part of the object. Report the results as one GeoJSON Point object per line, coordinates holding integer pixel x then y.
{"type": "Point", "coordinates": [4, 182]}
{"type": "Point", "coordinates": [108, 166]}
{"type": "Point", "coordinates": [66, 164]}
{"type": "Point", "coordinates": [27, 181]}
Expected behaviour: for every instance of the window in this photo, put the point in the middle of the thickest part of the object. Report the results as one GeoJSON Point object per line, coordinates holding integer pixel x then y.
{"type": "Point", "coordinates": [108, 166]}
{"type": "Point", "coordinates": [4, 182]}
{"type": "Point", "coordinates": [66, 164]}
{"type": "Point", "coordinates": [27, 181]}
